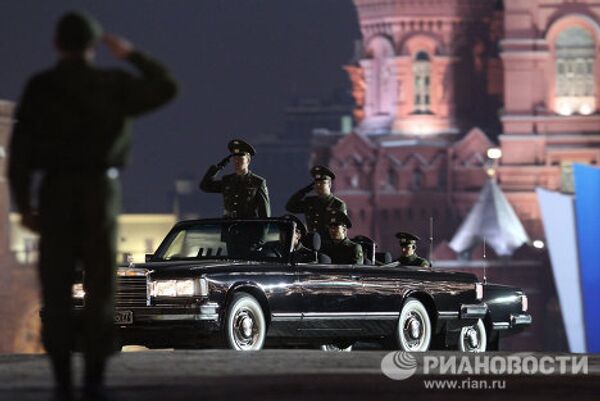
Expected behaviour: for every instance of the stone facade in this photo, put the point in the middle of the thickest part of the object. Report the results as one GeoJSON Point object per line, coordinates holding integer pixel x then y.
{"type": "Point", "coordinates": [438, 82]}
{"type": "Point", "coordinates": [19, 305]}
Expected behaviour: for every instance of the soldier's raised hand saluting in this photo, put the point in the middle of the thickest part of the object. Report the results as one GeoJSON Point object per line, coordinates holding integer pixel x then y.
{"type": "Point", "coordinates": [309, 187]}
{"type": "Point", "coordinates": [224, 162]}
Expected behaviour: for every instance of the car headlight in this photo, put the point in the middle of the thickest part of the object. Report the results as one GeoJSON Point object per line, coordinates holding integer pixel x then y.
{"type": "Point", "coordinates": [77, 291]}
{"type": "Point", "coordinates": [478, 291]}
{"type": "Point", "coordinates": [178, 288]}
{"type": "Point", "coordinates": [524, 303]}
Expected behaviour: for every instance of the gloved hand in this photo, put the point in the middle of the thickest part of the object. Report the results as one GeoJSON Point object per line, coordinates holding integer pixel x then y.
{"type": "Point", "coordinates": [223, 162]}
{"type": "Point", "coordinates": [309, 187]}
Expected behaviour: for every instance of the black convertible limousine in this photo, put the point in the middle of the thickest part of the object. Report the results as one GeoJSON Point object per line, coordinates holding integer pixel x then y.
{"type": "Point", "coordinates": [237, 283]}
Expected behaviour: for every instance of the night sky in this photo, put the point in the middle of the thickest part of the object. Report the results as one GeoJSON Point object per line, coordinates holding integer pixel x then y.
{"type": "Point", "coordinates": [238, 63]}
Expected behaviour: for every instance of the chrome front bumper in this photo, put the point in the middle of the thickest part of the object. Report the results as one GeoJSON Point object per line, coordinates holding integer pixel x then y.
{"type": "Point", "coordinates": [204, 312]}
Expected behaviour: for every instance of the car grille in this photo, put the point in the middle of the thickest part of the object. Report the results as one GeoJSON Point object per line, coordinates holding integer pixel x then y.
{"type": "Point", "coordinates": [131, 291]}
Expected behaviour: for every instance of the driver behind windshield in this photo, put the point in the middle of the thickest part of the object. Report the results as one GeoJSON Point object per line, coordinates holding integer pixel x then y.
{"type": "Point", "coordinates": [340, 249]}
{"type": "Point", "coordinates": [300, 253]}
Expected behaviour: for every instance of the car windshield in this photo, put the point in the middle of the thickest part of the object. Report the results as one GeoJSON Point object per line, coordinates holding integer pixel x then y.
{"type": "Point", "coordinates": [240, 240]}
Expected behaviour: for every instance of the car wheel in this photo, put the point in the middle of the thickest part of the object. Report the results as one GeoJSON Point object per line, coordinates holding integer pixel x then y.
{"type": "Point", "coordinates": [245, 325]}
{"type": "Point", "coordinates": [336, 347]}
{"type": "Point", "coordinates": [413, 333]}
{"type": "Point", "coordinates": [473, 338]}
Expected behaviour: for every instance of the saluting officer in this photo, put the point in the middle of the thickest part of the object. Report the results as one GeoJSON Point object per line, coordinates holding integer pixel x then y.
{"type": "Point", "coordinates": [245, 194]}
{"type": "Point", "coordinates": [340, 249]}
{"type": "Point", "coordinates": [408, 249]}
{"type": "Point", "coordinates": [317, 209]}
{"type": "Point", "coordinates": [73, 127]}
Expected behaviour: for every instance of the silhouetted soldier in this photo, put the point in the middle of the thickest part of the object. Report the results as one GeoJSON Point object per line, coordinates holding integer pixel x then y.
{"type": "Point", "coordinates": [73, 127]}
{"type": "Point", "coordinates": [320, 208]}
{"type": "Point", "coordinates": [245, 194]}
{"type": "Point", "coordinates": [408, 251]}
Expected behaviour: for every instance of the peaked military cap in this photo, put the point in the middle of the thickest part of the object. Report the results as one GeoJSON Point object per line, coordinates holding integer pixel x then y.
{"type": "Point", "coordinates": [339, 218]}
{"type": "Point", "coordinates": [322, 173]}
{"type": "Point", "coordinates": [407, 238]}
{"type": "Point", "coordinates": [75, 32]}
{"type": "Point", "coordinates": [299, 224]}
{"type": "Point", "coordinates": [239, 147]}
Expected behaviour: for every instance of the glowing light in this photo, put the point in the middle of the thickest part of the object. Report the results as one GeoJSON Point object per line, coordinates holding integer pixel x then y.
{"type": "Point", "coordinates": [539, 244]}
{"type": "Point", "coordinates": [585, 109]}
{"type": "Point", "coordinates": [494, 153]}
{"type": "Point", "coordinates": [423, 129]}
{"type": "Point", "coordinates": [565, 109]}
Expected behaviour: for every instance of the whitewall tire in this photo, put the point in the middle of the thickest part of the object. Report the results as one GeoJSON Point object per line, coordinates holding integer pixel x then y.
{"type": "Point", "coordinates": [245, 325]}
{"type": "Point", "coordinates": [413, 333]}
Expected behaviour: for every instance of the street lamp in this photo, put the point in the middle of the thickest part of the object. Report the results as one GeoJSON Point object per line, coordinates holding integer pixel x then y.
{"type": "Point", "coordinates": [493, 154]}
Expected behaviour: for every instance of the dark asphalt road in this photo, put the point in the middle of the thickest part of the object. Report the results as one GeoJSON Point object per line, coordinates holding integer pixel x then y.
{"type": "Point", "coordinates": [288, 375]}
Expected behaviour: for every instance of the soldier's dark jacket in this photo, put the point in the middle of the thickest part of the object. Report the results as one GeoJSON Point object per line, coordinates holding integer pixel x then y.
{"type": "Point", "coordinates": [413, 260]}
{"type": "Point", "coordinates": [244, 196]}
{"type": "Point", "coordinates": [303, 255]}
{"type": "Point", "coordinates": [344, 252]}
{"type": "Point", "coordinates": [76, 117]}
{"type": "Point", "coordinates": [317, 210]}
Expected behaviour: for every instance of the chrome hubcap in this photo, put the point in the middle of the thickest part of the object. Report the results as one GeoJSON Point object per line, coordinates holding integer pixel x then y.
{"type": "Point", "coordinates": [247, 324]}
{"type": "Point", "coordinates": [245, 329]}
{"type": "Point", "coordinates": [413, 330]}
{"type": "Point", "coordinates": [472, 338]}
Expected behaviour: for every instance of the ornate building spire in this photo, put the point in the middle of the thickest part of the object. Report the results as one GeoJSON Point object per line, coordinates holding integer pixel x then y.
{"type": "Point", "coordinates": [423, 66]}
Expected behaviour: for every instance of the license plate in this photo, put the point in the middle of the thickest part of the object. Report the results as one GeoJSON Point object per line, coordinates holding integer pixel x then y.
{"type": "Point", "coordinates": [124, 317]}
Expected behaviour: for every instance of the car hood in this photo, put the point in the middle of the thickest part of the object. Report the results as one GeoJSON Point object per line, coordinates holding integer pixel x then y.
{"type": "Point", "coordinates": [194, 266]}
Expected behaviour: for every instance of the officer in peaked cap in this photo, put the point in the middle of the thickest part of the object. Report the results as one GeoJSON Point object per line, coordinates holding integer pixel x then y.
{"type": "Point", "coordinates": [301, 253]}
{"type": "Point", "coordinates": [317, 208]}
{"type": "Point", "coordinates": [339, 248]}
{"type": "Point", "coordinates": [245, 194]}
{"type": "Point", "coordinates": [408, 249]}
{"type": "Point", "coordinates": [73, 131]}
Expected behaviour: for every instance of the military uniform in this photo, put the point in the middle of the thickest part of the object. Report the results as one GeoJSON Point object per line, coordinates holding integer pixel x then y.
{"type": "Point", "coordinates": [73, 125]}
{"type": "Point", "coordinates": [408, 239]}
{"type": "Point", "coordinates": [244, 196]}
{"type": "Point", "coordinates": [413, 260]}
{"type": "Point", "coordinates": [303, 255]}
{"type": "Point", "coordinates": [343, 251]}
{"type": "Point", "coordinates": [317, 209]}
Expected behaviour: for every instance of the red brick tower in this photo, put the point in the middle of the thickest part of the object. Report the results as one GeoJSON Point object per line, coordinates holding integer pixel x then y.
{"type": "Point", "coordinates": [427, 75]}
{"type": "Point", "coordinates": [551, 58]}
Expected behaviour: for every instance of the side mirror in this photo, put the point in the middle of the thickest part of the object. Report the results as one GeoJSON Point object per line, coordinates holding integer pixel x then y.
{"type": "Point", "coordinates": [149, 257]}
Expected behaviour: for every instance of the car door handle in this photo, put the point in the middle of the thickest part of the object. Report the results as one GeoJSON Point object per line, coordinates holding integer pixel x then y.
{"type": "Point", "coordinates": [355, 277]}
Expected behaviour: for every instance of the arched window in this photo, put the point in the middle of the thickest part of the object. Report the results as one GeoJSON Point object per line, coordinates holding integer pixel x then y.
{"type": "Point", "coordinates": [422, 83]}
{"type": "Point", "coordinates": [392, 179]}
{"type": "Point", "coordinates": [382, 86]}
{"type": "Point", "coordinates": [575, 83]}
{"type": "Point", "coordinates": [417, 180]}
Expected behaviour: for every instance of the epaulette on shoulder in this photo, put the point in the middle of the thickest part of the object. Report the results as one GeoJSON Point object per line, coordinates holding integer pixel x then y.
{"type": "Point", "coordinates": [257, 179]}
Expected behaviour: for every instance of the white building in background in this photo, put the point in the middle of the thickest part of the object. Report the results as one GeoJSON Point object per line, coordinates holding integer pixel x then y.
{"type": "Point", "coordinates": [139, 234]}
